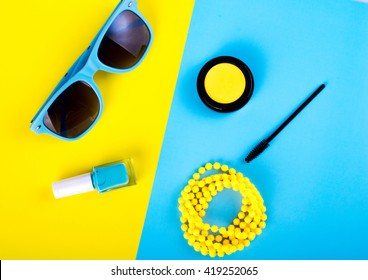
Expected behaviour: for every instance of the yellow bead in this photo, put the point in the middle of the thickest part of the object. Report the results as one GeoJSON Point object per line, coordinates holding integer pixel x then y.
{"type": "Point", "coordinates": [204, 252]}
{"type": "Point", "coordinates": [186, 235]}
{"type": "Point", "coordinates": [199, 194]}
{"type": "Point", "coordinates": [194, 201]}
{"type": "Point", "coordinates": [214, 228]}
{"type": "Point", "coordinates": [220, 253]}
{"type": "Point", "coordinates": [202, 213]}
{"type": "Point", "coordinates": [202, 200]}
{"type": "Point", "coordinates": [235, 242]}
{"type": "Point", "coordinates": [258, 231]}
{"type": "Point", "coordinates": [199, 224]}
{"type": "Point", "coordinates": [242, 225]}
{"type": "Point", "coordinates": [211, 237]}
{"type": "Point", "coordinates": [236, 221]}
{"type": "Point", "coordinates": [201, 238]}
{"type": "Point", "coordinates": [224, 168]}
{"type": "Point", "coordinates": [218, 238]}
{"type": "Point", "coordinates": [208, 180]}
{"type": "Point", "coordinates": [196, 232]}
{"type": "Point", "coordinates": [262, 225]}
{"type": "Point", "coordinates": [227, 184]}
{"type": "Point", "coordinates": [205, 205]}
{"type": "Point", "coordinates": [209, 198]}
{"type": "Point", "coordinates": [191, 182]}
{"type": "Point", "coordinates": [225, 176]}
{"type": "Point", "coordinates": [183, 219]}
{"type": "Point", "coordinates": [241, 215]}
{"type": "Point", "coordinates": [206, 194]}
{"type": "Point", "coordinates": [232, 171]}
{"type": "Point", "coordinates": [231, 228]}
{"type": "Point", "coordinates": [253, 225]}
{"type": "Point", "coordinates": [246, 243]}
{"type": "Point", "coordinates": [195, 189]}
{"type": "Point", "coordinates": [208, 166]}
{"type": "Point", "coordinates": [190, 243]}
{"type": "Point", "coordinates": [185, 195]}
{"type": "Point", "coordinates": [257, 219]}
{"type": "Point", "coordinates": [198, 207]}
{"type": "Point", "coordinates": [216, 165]}
{"type": "Point", "coordinates": [196, 176]}
{"type": "Point", "coordinates": [212, 253]}
{"type": "Point", "coordinates": [226, 242]}
{"type": "Point", "coordinates": [240, 247]}
{"type": "Point", "coordinates": [216, 177]}
{"type": "Point", "coordinates": [222, 230]}
{"type": "Point", "coordinates": [206, 226]}
{"type": "Point", "coordinates": [184, 227]}
{"type": "Point", "coordinates": [213, 193]}
{"type": "Point", "coordinates": [201, 170]}
{"type": "Point", "coordinates": [197, 246]}
{"type": "Point", "coordinates": [191, 196]}
{"type": "Point", "coordinates": [251, 235]}
{"type": "Point", "coordinates": [264, 217]}
{"type": "Point", "coordinates": [247, 220]}
{"type": "Point", "coordinates": [204, 232]}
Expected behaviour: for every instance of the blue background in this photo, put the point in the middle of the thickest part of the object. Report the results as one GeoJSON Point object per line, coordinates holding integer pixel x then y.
{"type": "Point", "coordinates": [314, 176]}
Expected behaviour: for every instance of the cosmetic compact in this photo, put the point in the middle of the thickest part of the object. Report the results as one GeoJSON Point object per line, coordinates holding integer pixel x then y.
{"type": "Point", "coordinates": [225, 84]}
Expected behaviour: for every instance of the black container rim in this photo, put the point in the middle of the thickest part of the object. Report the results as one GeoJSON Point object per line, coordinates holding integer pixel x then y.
{"type": "Point", "coordinates": [225, 107]}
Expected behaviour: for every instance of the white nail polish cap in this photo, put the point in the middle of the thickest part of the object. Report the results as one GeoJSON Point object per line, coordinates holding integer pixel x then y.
{"type": "Point", "coordinates": [72, 186]}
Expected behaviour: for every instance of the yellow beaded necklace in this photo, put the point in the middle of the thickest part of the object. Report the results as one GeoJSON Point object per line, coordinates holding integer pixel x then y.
{"type": "Point", "coordinates": [212, 240]}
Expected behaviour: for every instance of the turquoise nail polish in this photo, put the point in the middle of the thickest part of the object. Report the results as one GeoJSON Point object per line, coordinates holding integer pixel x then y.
{"type": "Point", "coordinates": [103, 178]}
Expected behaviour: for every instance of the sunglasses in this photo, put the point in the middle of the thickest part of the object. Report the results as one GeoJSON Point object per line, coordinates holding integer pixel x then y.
{"type": "Point", "coordinates": [75, 105]}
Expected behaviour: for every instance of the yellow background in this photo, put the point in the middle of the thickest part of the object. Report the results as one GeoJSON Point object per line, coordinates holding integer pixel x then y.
{"type": "Point", "coordinates": [39, 42]}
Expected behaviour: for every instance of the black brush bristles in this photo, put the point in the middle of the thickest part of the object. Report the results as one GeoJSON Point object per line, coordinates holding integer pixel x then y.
{"type": "Point", "coordinates": [257, 150]}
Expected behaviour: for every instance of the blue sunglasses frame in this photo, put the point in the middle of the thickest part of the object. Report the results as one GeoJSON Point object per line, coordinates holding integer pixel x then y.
{"type": "Point", "coordinates": [84, 68]}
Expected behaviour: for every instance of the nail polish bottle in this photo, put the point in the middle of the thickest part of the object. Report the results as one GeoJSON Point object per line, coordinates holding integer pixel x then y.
{"type": "Point", "coordinates": [103, 178]}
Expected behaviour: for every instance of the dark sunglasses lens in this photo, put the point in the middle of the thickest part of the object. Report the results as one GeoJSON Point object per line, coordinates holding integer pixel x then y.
{"type": "Point", "coordinates": [125, 41]}
{"type": "Point", "coordinates": [73, 111]}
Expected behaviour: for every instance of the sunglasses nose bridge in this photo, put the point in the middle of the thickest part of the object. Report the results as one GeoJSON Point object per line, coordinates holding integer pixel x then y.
{"type": "Point", "coordinates": [90, 68]}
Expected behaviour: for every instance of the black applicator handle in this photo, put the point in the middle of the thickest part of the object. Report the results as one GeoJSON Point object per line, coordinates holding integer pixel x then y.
{"type": "Point", "coordinates": [257, 150]}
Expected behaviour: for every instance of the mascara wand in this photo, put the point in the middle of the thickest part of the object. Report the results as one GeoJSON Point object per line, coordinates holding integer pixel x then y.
{"type": "Point", "coordinates": [257, 150]}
